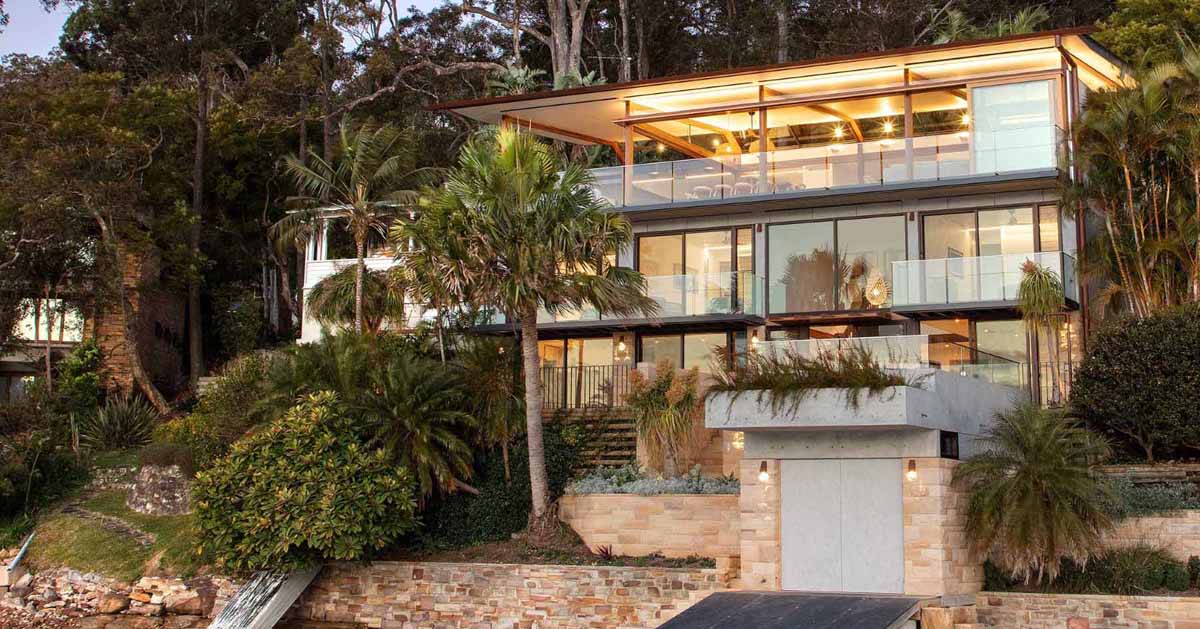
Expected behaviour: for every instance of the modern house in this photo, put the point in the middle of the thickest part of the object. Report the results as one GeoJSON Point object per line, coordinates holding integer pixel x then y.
{"type": "Point", "coordinates": [886, 200]}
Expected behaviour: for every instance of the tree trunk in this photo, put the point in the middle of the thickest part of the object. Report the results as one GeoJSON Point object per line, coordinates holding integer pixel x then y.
{"type": "Point", "coordinates": [140, 377]}
{"type": "Point", "coordinates": [516, 32]}
{"type": "Point", "coordinates": [643, 65]}
{"type": "Point", "coordinates": [541, 520]}
{"type": "Point", "coordinates": [195, 325]}
{"type": "Point", "coordinates": [625, 69]}
{"type": "Point", "coordinates": [360, 246]}
{"type": "Point", "coordinates": [326, 87]}
{"type": "Point", "coordinates": [782, 24]}
{"type": "Point", "coordinates": [49, 324]}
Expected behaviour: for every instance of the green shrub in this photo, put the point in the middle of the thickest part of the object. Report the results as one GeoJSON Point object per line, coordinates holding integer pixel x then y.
{"type": "Point", "coordinates": [77, 385]}
{"type": "Point", "coordinates": [229, 408]}
{"type": "Point", "coordinates": [168, 454]}
{"type": "Point", "coordinates": [305, 489]}
{"type": "Point", "coordinates": [1193, 568]}
{"type": "Point", "coordinates": [19, 416]}
{"type": "Point", "coordinates": [1139, 383]}
{"type": "Point", "coordinates": [502, 508]}
{"type": "Point", "coordinates": [630, 479]}
{"type": "Point", "coordinates": [239, 323]}
{"type": "Point", "coordinates": [1137, 499]}
{"type": "Point", "coordinates": [1175, 577]}
{"type": "Point", "coordinates": [123, 422]}
{"type": "Point", "coordinates": [33, 467]}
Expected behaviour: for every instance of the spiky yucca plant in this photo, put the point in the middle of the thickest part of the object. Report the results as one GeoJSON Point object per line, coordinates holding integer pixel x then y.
{"type": "Point", "coordinates": [1032, 500]}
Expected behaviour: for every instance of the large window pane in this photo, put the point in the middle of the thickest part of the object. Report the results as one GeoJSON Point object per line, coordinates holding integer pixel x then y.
{"type": "Point", "coordinates": [949, 235]}
{"type": "Point", "coordinates": [709, 265]}
{"type": "Point", "coordinates": [656, 348]}
{"type": "Point", "coordinates": [660, 259]}
{"type": "Point", "coordinates": [1014, 126]}
{"type": "Point", "coordinates": [866, 249]}
{"type": "Point", "coordinates": [1048, 228]}
{"type": "Point", "coordinates": [700, 350]}
{"type": "Point", "coordinates": [1006, 231]}
{"type": "Point", "coordinates": [801, 267]}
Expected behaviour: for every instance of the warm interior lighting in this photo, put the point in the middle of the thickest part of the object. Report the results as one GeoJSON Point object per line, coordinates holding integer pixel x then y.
{"type": "Point", "coordinates": [838, 132]}
{"type": "Point", "coordinates": [911, 474]}
{"type": "Point", "coordinates": [763, 475]}
{"type": "Point", "coordinates": [716, 143]}
{"type": "Point", "coordinates": [621, 345]}
{"type": "Point", "coordinates": [661, 147]}
{"type": "Point", "coordinates": [888, 126]}
{"type": "Point", "coordinates": [966, 119]}
{"type": "Point", "coordinates": [754, 337]}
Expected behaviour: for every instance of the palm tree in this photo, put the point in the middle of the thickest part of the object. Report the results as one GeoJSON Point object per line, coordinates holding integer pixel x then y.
{"type": "Point", "coordinates": [491, 369]}
{"type": "Point", "coordinates": [333, 302]}
{"type": "Point", "coordinates": [362, 188]}
{"type": "Point", "coordinates": [508, 230]}
{"type": "Point", "coordinates": [1040, 300]}
{"type": "Point", "coordinates": [1031, 498]}
{"type": "Point", "coordinates": [957, 26]}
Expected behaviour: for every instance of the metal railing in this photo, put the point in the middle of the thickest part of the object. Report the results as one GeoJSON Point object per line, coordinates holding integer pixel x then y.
{"type": "Point", "coordinates": [913, 351]}
{"type": "Point", "coordinates": [587, 386]}
{"type": "Point", "coordinates": [974, 279]}
{"type": "Point", "coordinates": [879, 162]}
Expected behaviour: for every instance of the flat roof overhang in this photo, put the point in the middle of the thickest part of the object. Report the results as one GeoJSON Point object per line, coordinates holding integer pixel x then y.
{"type": "Point", "coordinates": [595, 114]}
{"type": "Point", "coordinates": [568, 329]}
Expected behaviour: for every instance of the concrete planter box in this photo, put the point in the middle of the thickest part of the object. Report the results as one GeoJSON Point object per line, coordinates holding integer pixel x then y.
{"type": "Point", "coordinates": [939, 401]}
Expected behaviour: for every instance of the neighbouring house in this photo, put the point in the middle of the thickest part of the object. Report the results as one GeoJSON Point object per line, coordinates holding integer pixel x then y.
{"type": "Point", "coordinates": [886, 200]}
{"type": "Point", "coordinates": [59, 324]}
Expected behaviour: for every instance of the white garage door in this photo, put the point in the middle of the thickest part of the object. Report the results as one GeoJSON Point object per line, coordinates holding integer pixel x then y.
{"type": "Point", "coordinates": [842, 525]}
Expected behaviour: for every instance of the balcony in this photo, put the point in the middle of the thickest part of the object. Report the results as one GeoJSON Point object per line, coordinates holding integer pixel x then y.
{"type": "Point", "coordinates": [711, 295]}
{"type": "Point", "coordinates": [974, 280]}
{"type": "Point", "coordinates": [845, 166]}
{"type": "Point", "coordinates": [586, 386]}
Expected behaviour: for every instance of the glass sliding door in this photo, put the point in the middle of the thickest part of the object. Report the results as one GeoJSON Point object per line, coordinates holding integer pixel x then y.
{"type": "Point", "coordinates": [1014, 127]}
{"type": "Point", "coordinates": [800, 261]}
{"type": "Point", "coordinates": [686, 351]}
{"type": "Point", "coordinates": [708, 265]}
{"type": "Point", "coordinates": [866, 248]}
{"type": "Point", "coordinates": [1005, 242]}
{"type": "Point", "coordinates": [698, 273]}
{"type": "Point", "coordinates": [660, 259]}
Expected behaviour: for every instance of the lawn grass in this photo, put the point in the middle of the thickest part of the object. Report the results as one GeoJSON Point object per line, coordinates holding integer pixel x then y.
{"type": "Point", "coordinates": [64, 540]}
{"type": "Point", "coordinates": [176, 536]}
{"type": "Point", "coordinates": [82, 544]}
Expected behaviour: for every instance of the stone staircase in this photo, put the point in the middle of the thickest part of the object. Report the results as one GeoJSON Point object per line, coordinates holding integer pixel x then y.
{"type": "Point", "coordinates": [963, 617]}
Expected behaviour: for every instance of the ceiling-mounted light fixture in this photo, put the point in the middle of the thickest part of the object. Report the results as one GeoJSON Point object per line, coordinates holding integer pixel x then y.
{"type": "Point", "coordinates": [888, 126]}
{"type": "Point", "coordinates": [763, 475]}
{"type": "Point", "coordinates": [838, 131]}
{"type": "Point", "coordinates": [661, 147]}
{"type": "Point", "coordinates": [966, 119]}
{"type": "Point", "coordinates": [911, 475]}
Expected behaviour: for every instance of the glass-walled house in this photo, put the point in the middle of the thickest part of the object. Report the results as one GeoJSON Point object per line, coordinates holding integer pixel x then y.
{"type": "Point", "coordinates": [890, 194]}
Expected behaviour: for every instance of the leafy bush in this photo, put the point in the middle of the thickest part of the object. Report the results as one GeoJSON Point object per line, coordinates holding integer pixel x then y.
{"type": "Point", "coordinates": [1138, 383]}
{"type": "Point", "coordinates": [230, 407]}
{"type": "Point", "coordinates": [34, 471]}
{"type": "Point", "coordinates": [19, 416]}
{"type": "Point", "coordinates": [123, 422]}
{"type": "Point", "coordinates": [239, 322]}
{"type": "Point", "coordinates": [304, 490]}
{"type": "Point", "coordinates": [166, 455]}
{"type": "Point", "coordinates": [789, 377]}
{"type": "Point", "coordinates": [77, 386]}
{"type": "Point", "coordinates": [632, 480]}
{"type": "Point", "coordinates": [1125, 571]}
{"type": "Point", "coordinates": [1175, 577]}
{"type": "Point", "coordinates": [1137, 499]}
{"type": "Point", "coordinates": [502, 508]}
{"type": "Point", "coordinates": [1193, 568]}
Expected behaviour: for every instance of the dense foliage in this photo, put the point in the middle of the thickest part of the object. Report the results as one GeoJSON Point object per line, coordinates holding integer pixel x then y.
{"type": "Point", "coordinates": [1140, 499]}
{"type": "Point", "coordinates": [502, 506]}
{"type": "Point", "coordinates": [632, 479]}
{"type": "Point", "coordinates": [1031, 498]}
{"type": "Point", "coordinates": [1129, 571]}
{"type": "Point", "coordinates": [124, 421]}
{"type": "Point", "coordinates": [306, 489]}
{"type": "Point", "coordinates": [1137, 384]}
{"type": "Point", "coordinates": [665, 408]}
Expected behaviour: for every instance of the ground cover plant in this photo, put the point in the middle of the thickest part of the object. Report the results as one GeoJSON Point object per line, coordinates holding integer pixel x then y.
{"type": "Point", "coordinates": [632, 479]}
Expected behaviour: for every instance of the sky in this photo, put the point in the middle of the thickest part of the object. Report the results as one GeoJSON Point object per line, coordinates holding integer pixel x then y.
{"type": "Point", "coordinates": [33, 31]}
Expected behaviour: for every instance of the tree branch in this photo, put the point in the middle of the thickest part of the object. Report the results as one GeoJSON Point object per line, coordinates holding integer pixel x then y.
{"type": "Point", "coordinates": [468, 8]}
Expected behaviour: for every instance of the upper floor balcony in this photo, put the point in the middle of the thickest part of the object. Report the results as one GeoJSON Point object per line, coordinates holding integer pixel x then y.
{"type": "Point", "coordinates": [974, 281]}
{"type": "Point", "coordinates": [841, 166]}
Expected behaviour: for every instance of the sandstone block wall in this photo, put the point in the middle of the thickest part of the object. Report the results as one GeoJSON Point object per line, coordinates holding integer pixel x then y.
{"type": "Point", "coordinates": [1012, 610]}
{"type": "Point", "coordinates": [936, 555]}
{"type": "Point", "coordinates": [402, 595]}
{"type": "Point", "coordinates": [674, 525]}
{"type": "Point", "coordinates": [759, 505]}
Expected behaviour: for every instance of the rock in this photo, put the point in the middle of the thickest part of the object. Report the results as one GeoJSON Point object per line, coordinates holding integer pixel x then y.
{"type": "Point", "coordinates": [55, 604]}
{"type": "Point", "coordinates": [49, 595]}
{"type": "Point", "coordinates": [24, 582]}
{"type": "Point", "coordinates": [156, 599]}
{"type": "Point", "coordinates": [112, 604]}
{"type": "Point", "coordinates": [20, 591]}
{"type": "Point", "coordinates": [140, 596]}
{"type": "Point", "coordinates": [186, 602]}
{"type": "Point", "coordinates": [93, 622]}
{"type": "Point", "coordinates": [146, 609]}
{"type": "Point", "coordinates": [185, 622]}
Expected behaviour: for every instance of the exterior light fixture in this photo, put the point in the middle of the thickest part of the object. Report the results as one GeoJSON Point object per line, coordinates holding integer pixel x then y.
{"type": "Point", "coordinates": [763, 475]}
{"type": "Point", "coordinates": [754, 337]}
{"type": "Point", "coordinates": [621, 345]}
{"type": "Point", "coordinates": [911, 474]}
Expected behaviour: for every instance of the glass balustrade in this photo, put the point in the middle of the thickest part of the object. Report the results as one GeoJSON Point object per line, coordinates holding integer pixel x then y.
{"type": "Point", "coordinates": [881, 162]}
{"type": "Point", "coordinates": [976, 279]}
{"type": "Point", "coordinates": [910, 352]}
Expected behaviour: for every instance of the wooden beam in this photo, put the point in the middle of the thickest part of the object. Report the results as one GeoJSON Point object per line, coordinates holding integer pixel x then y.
{"type": "Point", "coordinates": [509, 121]}
{"type": "Point", "coordinates": [850, 122]}
{"type": "Point", "coordinates": [679, 144]}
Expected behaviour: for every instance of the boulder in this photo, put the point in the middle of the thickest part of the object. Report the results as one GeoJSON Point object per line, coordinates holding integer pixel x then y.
{"type": "Point", "coordinates": [187, 602]}
{"type": "Point", "coordinates": [112, 604]}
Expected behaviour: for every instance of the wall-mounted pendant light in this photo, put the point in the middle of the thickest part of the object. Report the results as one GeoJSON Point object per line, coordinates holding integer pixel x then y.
{"type": "Point", "coordinates": [763, 475]}
{"type": "Point", "coordinates": [911, 474]}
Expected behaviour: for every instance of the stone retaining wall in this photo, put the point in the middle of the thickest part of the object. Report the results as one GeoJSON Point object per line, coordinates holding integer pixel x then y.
{"type": "Point", "coordinates": [1177, 533]}
{"type": "Point", "coordinates": [1154, 473]}
{"type": "Point", "coordinates": [1012, 610]}
{"type": "Point", "coordinates": [674, 525]}
{"type": "Point", "coordinates": [160, 490]}
{"type": "Point", "coordinates": [402, 594]}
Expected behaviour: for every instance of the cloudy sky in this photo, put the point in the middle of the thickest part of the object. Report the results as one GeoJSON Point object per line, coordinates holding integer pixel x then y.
{"type": "Point", "coordinates": [33, 31]}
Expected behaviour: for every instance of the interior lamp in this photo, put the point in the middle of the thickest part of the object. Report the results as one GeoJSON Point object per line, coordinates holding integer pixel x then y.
{"type": "Point", "coordinates": [911, 474]}
{"type": "Point", "coordinates": [763, 475]}
{"type": "Point", "coordinates": [878, 290]}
